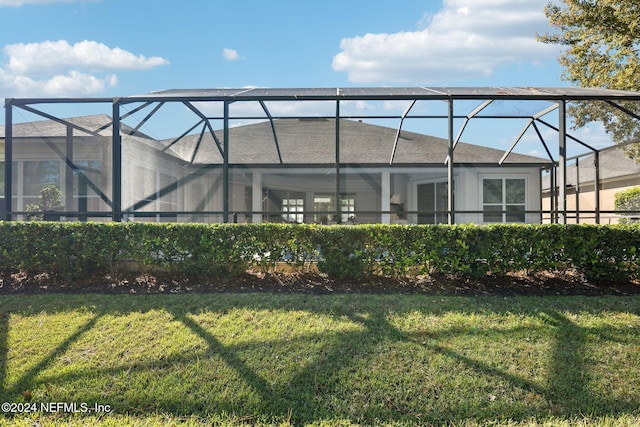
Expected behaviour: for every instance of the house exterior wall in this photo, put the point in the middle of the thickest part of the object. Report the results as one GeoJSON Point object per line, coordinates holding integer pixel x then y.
{"type": "Point", "coordinates": [146, 171]}
{"type": "Point", "coordinates": [157, 186]}
{"type": "Point", "coordinates": [471, 194]}
{"type": "Point", "coordinates": [194, 194]}
{"type": "Point", "coordinates": [38, 162]}
{"type": "Point", "coordinates": [366, 186]}
{"type": "Point", "coordinates": [581, 205]}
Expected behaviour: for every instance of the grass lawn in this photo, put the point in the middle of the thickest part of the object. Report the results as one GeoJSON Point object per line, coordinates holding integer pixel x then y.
{"type": "Point", "coordinates": [277, 359]}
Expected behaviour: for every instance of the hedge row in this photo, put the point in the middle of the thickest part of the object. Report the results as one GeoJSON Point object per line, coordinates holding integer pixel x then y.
{"type": "Point", "coordinates": [628, 200]}
{"type": "Point", "coordinates": [76, 250]}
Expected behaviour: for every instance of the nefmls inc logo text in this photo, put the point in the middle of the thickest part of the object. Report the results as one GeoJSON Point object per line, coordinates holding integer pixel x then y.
{"type": "Point", "coordinates": [73, 407]}
{"type": "Point", "coordinates": [55, 407]}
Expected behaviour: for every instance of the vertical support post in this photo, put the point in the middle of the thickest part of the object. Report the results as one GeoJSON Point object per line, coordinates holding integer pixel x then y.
{"type": "Point", "coordinates": [541, 198]}
{"type": "Point", "coordinates": [450, 190]}
{"type": "Point", "coordinates": [554, 194]}
{"type": "Point", "coordinates": [82, 198]}
{"type": "Point", "coordinates": [385, 197]}
{"type": "Point", "coordinates": [338, 183]}
{"type": "Point", "coordinates": [116, 164]}
{"type": "Point", "coordinates": [596, 184]}
{"type": "Point", "coordinates": [68, 177]}
{"type": "Point", "coordinates": [577, 190]}
{"type": "Point", "coordinates": [8, 158]}
{"type": "Point", "coordinates": [256, 197]}
{"type": "Point", "coordinates": [562, 159]}
{"type": "Point", "coordinates": [225, 166]}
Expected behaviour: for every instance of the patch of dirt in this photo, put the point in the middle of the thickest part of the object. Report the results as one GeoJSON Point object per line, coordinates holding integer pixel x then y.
{"type": "Point", "coordinates": [540, 284]}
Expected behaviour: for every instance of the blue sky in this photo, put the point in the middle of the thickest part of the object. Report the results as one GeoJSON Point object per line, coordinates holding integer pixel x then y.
{"type": "Point", "coordinates": [104, 48]}
{"type": "Point", "coordinates": [125, 47]}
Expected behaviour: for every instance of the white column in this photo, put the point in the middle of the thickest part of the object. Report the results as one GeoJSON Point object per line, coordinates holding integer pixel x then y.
{"type": "Point", "coordinates": [385, 197]}
{"type": "Point", "coordinates": [256, 197]}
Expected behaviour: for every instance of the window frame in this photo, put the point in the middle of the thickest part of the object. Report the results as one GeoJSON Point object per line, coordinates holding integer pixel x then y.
{"type": "Point", "coordinates": [347, 208]}
{"type": "Point", "coordinates": [435, 218]}
{"type": "Point", "coordinates": [506, 217]}
{"type": "Point", "coordinates": [293, 212]}
{"type": "Point", "coordinates": [29, 184]}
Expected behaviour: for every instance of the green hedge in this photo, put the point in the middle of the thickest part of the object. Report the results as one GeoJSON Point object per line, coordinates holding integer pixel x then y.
{"type": "Point", "coordinates": [72, 251]}
{"type": "Point", "coordinates": [628, 200]}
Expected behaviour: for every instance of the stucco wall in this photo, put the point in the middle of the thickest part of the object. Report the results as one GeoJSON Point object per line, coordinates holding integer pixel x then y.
{"type": "Point", "coordinates": [581, 208]}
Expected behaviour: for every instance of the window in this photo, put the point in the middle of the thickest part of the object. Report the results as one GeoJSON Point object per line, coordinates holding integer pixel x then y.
{"type": "Point", "coordinates": [504, 200]}
{"type": "Point", "coordinates": [283, 205]}
{"type": "Point", "coordinates": [433, 202]}
{"type": "Point", "coordinates": [91, 169]}
{"type": "Point", "coordinates": [39, 174]}
{"type": "Point", "coordinates": [348, 208]}
{"type": "Point", "coordinates": [324, 206]}
{"type": "Point", "coordinates": [292, 210]}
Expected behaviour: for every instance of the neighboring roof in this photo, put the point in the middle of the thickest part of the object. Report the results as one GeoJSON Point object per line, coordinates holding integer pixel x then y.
{"type": "Point", "coordinates": [614, 164]}
{"type": "Point", "coordinates": [83, 126]}
{"type": "Point", "coordinates": [312, 141]}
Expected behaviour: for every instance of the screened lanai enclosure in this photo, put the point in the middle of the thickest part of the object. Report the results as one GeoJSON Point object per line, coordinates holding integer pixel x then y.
{"type": "Point", "coordinates": [324, 156]}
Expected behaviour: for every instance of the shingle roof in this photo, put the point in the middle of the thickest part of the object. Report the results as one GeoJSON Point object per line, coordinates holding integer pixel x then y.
{"type": "Point", "coordinates": [613, 164]}
{"type": "Point", "coordinates": [312, 141]}
{"type": "Point", "coordinates": [100, 123]}
{"type": "Point", "coordinates": [300, 141]}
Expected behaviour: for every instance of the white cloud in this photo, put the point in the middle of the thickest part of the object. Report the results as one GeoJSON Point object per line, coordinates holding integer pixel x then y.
{"type": "Point", "coordinates": [18, 3]}
{"type": "Point", "coordinates": [60, 69]}
{"type": "Point", "coordinates": [230, 54]}
{"type": "Point", "coordinates": [466, 39]}
{"type": "Point", "coordinates": [59, 56]}
{"type": "Point", "coordinates": [72, 84]}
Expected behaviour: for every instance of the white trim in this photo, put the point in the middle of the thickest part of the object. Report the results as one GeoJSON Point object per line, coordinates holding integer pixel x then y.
{"type": "Point", "coordinates": [385, 196]}
{"type": "Point", "coordinates": [503, 177]}
{"type": "Point", "coordinates": [412, 202]}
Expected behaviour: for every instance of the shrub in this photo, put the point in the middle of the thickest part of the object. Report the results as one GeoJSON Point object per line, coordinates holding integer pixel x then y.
{"type": "Point", "coordinates": [628, 200]}
{"type": "Point", "coordinates": [71, 251]}
{"type": "Point", "coordinates": [49, 200]}
{"type": "Point", "coordinates": [346, 252]}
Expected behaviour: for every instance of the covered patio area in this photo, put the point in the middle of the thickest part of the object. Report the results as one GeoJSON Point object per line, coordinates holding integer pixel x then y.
{"type": "Point", "coordinates": [326, 156]}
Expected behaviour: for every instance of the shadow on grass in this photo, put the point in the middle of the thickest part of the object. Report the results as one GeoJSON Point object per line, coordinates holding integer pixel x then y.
{"type": "Point", "coordinates": [244, 371]}
{"type": "Point", "coordinates": [4, 349]}
{"type": "Point", "coordinates": [319, 386]}
{"type": "Point", "coordinates": [26, 380]}
{"type": "Point", "coordinates": [569, 374]}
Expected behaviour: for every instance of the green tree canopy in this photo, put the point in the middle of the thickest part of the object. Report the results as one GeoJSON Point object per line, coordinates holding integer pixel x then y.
{"type": "Point", "coordinates": [602, 40]}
